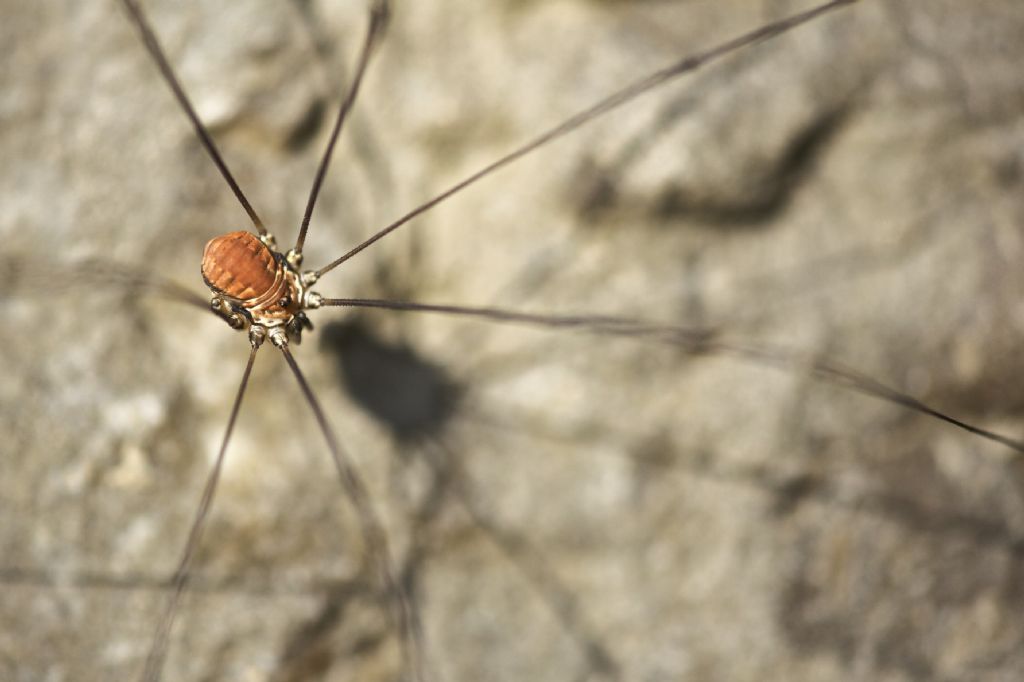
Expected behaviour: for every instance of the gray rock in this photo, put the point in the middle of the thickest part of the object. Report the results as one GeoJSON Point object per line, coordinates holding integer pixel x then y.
{"type": "Point", "coordinates": [563, 506]}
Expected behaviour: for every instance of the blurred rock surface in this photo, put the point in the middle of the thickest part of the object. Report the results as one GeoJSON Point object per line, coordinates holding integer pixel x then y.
{"type": "Point", "coordinates": [564, 507]}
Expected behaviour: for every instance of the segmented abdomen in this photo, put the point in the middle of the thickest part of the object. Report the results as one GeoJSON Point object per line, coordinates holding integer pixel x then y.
{"type": "Point", "coordinates": [240, 266]}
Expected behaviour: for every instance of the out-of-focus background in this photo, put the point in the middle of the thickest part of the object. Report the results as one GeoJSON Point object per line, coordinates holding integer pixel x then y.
{"type": "Point", "coordinates": [562, 507]}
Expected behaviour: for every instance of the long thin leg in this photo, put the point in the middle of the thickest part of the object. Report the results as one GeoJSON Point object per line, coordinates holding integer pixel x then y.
{"type": "Point", "coordinates": [379, 15]}
{"type": "Point", "coordinates": [371, 528]}
{"type": "Point", "coordinates": [158, 650]}
{"type": "Point", "coordinates": [604, 324]}
{"type": "Point", "coordinates": [630, 92]}
{"type": "Point", "coordinates": [706, 340]}
{"type": "Point", "coordinates": [44, 277]}
{"type": "Point", "coordinates": [157, 53]}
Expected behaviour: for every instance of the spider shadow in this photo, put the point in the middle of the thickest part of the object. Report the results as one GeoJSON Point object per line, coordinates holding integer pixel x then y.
{"type": "Point", "coordinates": [417, 401]}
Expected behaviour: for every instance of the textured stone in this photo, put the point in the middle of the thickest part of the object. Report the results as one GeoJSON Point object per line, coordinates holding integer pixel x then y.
{"type": "Point", "coordinates": [568, 507]}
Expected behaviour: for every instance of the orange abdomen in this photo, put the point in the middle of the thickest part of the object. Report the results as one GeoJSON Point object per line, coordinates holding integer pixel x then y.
{"type": "Point", "coordinates": [239, 265]}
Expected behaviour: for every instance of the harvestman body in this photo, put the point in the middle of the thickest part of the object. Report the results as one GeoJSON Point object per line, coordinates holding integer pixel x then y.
{"type": "Point", "coordinates": [263, 291]}
{"type": "Point", "coordinates": [258, 288]}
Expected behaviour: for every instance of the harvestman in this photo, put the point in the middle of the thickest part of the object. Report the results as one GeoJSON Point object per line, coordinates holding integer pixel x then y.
{"type": "Point", "coordinates": [265, 292]}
